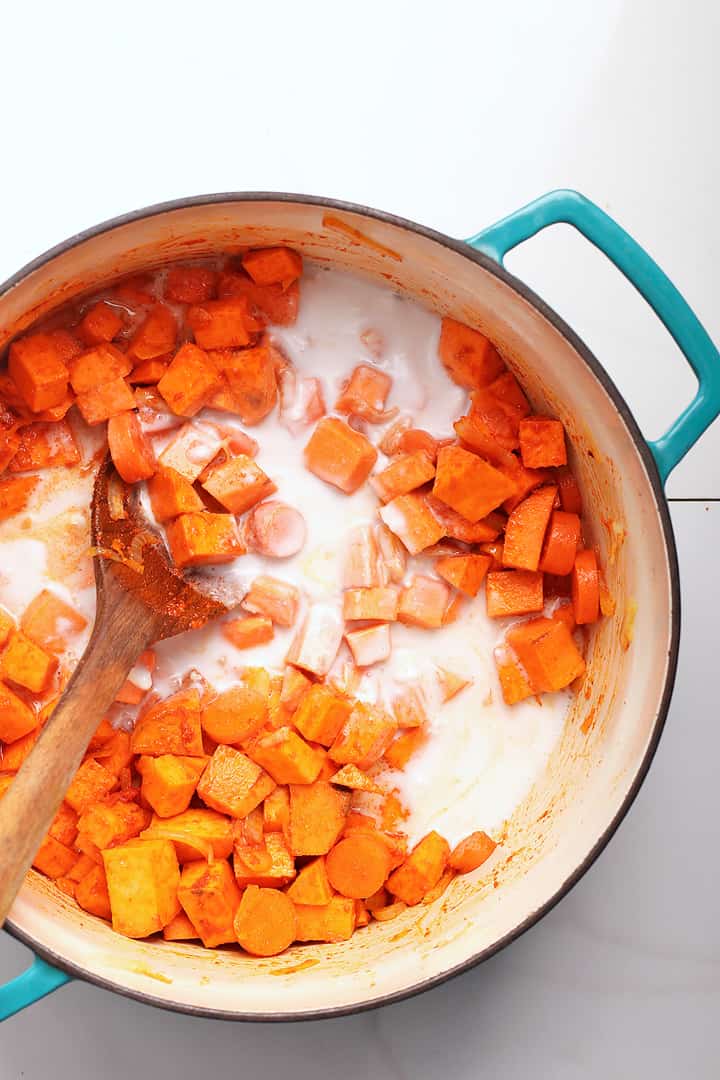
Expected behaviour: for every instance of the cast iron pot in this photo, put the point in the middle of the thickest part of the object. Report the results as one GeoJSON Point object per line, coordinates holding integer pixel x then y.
{"type": "Point", "coordinates": [613, 729]}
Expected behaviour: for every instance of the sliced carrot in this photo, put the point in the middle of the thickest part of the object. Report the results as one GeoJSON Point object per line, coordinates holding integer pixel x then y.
{"type": "Point", "coordinates": [357, 866]}
{"type": "Point", "coordinates": [190, 284]}
{"type": "Point", "coordinates": [404, 474]}
{"type": "Point", "coordinates": [546, 649]}
{"type": "Point", "coordinates": [339, 455]}
{"type": "Point", "coordinates": [513, 592]}
{"type": "Point", "coordinates": [561, 543]}
{"type": "Point", "coordinates": [465, 572]}
{"type": "Point", "coordinates": [542, 442]}
{"type": "Point", "coordinates": [273, 266]}
{"type": "Point", "coordinates": [526, 528]}
{"type": "Point", "coordinates": [156, 335]}
{"type": "Point", "coordinates": [248, 632]}
{"type": "Point", "coordinates": [365, 394]}
{"type": "Point", "coordinates": [238, 484]}
{"type": "Point", "coordinates": [275, 529]}
{"type": "Point", "coordinates": [471, 852]}
{"type": "Point", "coordinates": [102, 322]}
{"type": "Point", "coordinates": [130, 448]}
{"type": "Point", "coordinates": [468, 484]}
{"type": "Point", "coordinates": [423, 602]}
{"type": "Point", "coordinates": [470, 359]}
{"type": "Point", "coordinates": [586, 587]}
{"type": "Point", "coordinates": [569, 491]}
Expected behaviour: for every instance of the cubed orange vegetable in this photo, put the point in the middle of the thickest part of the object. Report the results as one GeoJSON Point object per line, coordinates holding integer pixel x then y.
{"type": "Point", "coordinates": [232, 783]}
{"type": "Point", "coordinates": [471, 852]}
{"type": "Point", "coordinates": [370, 645]}
{"type": "Point", "coordinates": [54, 859]}
{"type": "Point", "coordinates": [363, 566]}
{"type": "Point", "coordinates": [171, 726]}
{"type": "Point", "coordinates": [45, 446]}
{"type": "Point", "coordinates": [135, 291]}
{"type": "Point", "coordinates": [468, 484]}
{"type": "Point", "coordinates": [249, 383]}
{"type": "Point", "coordinates": [276, 810]}
{"type": "Point", "coordinates": [15, 494]}
{"type": "Point", "coordinates": [101, 364]}
{"type": "Point", "coordinates": [25, 663]}
{"type": "Point", "coordinates": [421, 871]}
{"type": "Point", "coordinates": [115, 755]}
{"type": "Point", "coordinates": [91, 783]}
{"type": "Point", "coordinates": [526, 528]}
{"type": "Point", "coordinates": [364, 737]}
{"type": "Point", "coordinates": [379, 603]}
{"type": "Point", "coordinates": [273, 266]}
{"type": "Point", "coordinates": [202, 539]}
{"type": "Point", "coordinates": [496, 417]}
{"type": "Point", "coordinates": [13, 754]}
{"type": "Point", "coordinates": [365, 394]}
{"type": "Point", "coordinates": [393, 553]}
{"type": "Point", "coordinates": [561, 543]}
{"type": "Point", "coordinates": [321, 714]}
{"type": "Point", "coordinates": [409, 708]}
{"type": "Point", "coordinates": [317, 817]}
{"type": "Point", "coordinates": [507, 390]}
{"type": "Point", "coordinates": [404, 474]}
{"type": "Point", "coordinates": [450, 683]}
{"type": "Point", "coordinates": [147, 374]}
{"type": "Point", "coordinates": [210, 897]}
{"type": "Point", "coordinates": [275, 599]}
{"type": "Point", "coordinates": [279, 305]}
{"type": "Point", "coordinates": [238, 484]}
{"type": "Point", "coordinates": [169, 782]}
{"type": "Point", "coordinates": [332, 922]}
{"type": "Point", "coordinates": [100, 323]}
{"type": "Point", "coordinates": [546, 650]}
{"type": "Point", "coordinates": [48, 622]}
{"type": "Point", "coordinates": [287, 757]}
{"type": "Point", "coordinates": [237, 714]}
{"type": "Point", "coordinates": [317, 641]}
{"type": "Point", "coordinates": [279, 868]}
{"type": "Point", "coordinates": [423, 602]}
{"type": "Point", "coordinates": [142, 880]}
{"type": "Point", "coordinates": [38, 365]}
{"type": "Point", "coordinates": [585, 588]}
{"type": "Point", "coordinates": [222, 324]}
{"type": "Point", "coordinates": [402, 748]}
{"type": "Point", "coordinates": [196, 834]}
{"type": "Point", "coordinates": [465, 572]}
{"type": "Point", "coordinates": [410, 518]}
{"type": "Point", "coordinates": [456, 527]}
{"type": "Point", "coordinates": [101, 826]}
{"type": "Point", "coordinates": [180, 929]}
{"type": "Point", "coordinates": [249, 631]}
{"type": "Point", "coordinates": [542, 442]}
{"type": "Point", "coordinates": [190, 380]}
{"type": "Point", "coordinates": [91, 893]}
{"type": "Point", "coordinates": [525, 481]}
{"type": "Point", "coordinates": [339, 455]}
{"type": "Point", "coordinates": [513, 680]}
{"type": "Point", "coordinates": [191, 450]}
{"type": "Point", "coordinates": [469, 358]}
{"type": "Point", "coordinates": [171, 495]}
{"type": "Point", "coordinates": [493, 443]}
{"type": "Point", "coordinates": [190, 284]}
{"type": "Point", "coordinates": [104, 401]}
{"type": "Point", "coordinates": [311, 886]}
{"type": "Point", "coordinates": [513, 592]}
{"type": "Point", "coordinates": [355, 779]}
{"type": "Point", "coordinates": [156, 335]}
{"type": "Point", "coordinates": [569, 492]}
{"type": "Point", "coordinates": [64, 825]}
{"type": "Point", "coordinates": [301, 400]}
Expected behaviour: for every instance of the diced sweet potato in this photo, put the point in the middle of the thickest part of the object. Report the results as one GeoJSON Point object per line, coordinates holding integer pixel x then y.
{"type": "Point", "coordinates": [355, 779]}
{"type": "Point", "coordinates": [280, 868]}
{"type": "Point", "coordinates": [25, 663]}
{"type": "Point", "coordinates": [491, 442]}
{"type": "Point", "coordinates": [465, 572]}
{"type": "Point", "coordinates": [585, 588]}
{"type": "Point", "coordinates": [499, 421]}
{"type": "Point", "coordinates": [456, 527]}
{"type": "Point", "coordinates": [142, 880]}
{"type": "Point", "coordinates": [156, 335]}
{"type": "Point", "coordinates": [542, 443]}
{"type": "Point", "coordinates": [301, 400]}
{"type": "Point", "coordinates": [196, 834]}
{"type": "Point", "coordinates": [273, 266]}
{"type": "Point", "coordinates": [45, 446]}
{"type": "Point", "coordinates": [38, 366]}
{"type": "Point", "coordinates": [363, 566]}
{"type": "Point", "coordinates": [101, 826]}
{"type": "Point", "coordinates": [421, 871]}
{"type": "Point", "coordinates": [317, 817]}
{"type": "Point", "coordinates": [104, 401]}
{"type": "Point", "coordinates": [469, 358]}
{"type": "Point", "coordinates": [191, 450]}
{"type": "Point", "coordinates": [222, 324]}
{"type": "Point", "coordinates": [561, 543]}
{"type": "Point", "coordinates": [15, 494]}
{"type": "Point", "coordinates": [423, 602]}
{"type": "Point", "coordinates": [276, 811]}
{"type": "Point", "coordinates": [135, 291]}
{"type": "Point", "coordinates": [468, 484]}
{"type": "Point", "coordinates": [277, 304]}
{"type": "Point", "coordinates": [249, 631]}
{"type": "Point", "coordinates": [569, 492]}
{"type": "Point", "coordinates": [91, 893]}
{"type": "Point", "coordinates": [404, 474]}
{"type": "Point", "coordinates": [64, 825]}
{"type": "Point", "coordinates": [249, 383]}
{"type": "Point", "coordinates": [365, 394]}
{"type": "Point", "coordinates": [339, 455]}
{"type": "Point", "coordinates": [148, 373]}
{"type": "Point", "coordinates": [317, 641]}
{"type": "Point", "coordinates": [321, 714]}
{"type": "Point", "coordinates": [169, 782]}
{"type": "Point", "coordinates": [393, 553]}
{"type": "Point", "coordinates": [450, 683]}
{"type": "Point", "coordinates": [232, 783]}
{"type": "Point", "coordinates": [409, 708]}
{"type": "Point", "coordinates": [180, 929]}
{"type": "Point", "coordinates": [239, 484]}
{"type": "Point", "coordinates": [526, 528]}
{"type": "Point", "coordinates": [277, 600]}
{"type": "Point", "coordinates": [508, 391]}
{"type": "Point", "coordinates": [48, 622]}
{"type": "Point", "coordinates": [190, 284]}
{"type": "Point", "coordinates": [546, 650]}
{"type": "Point", "coordinates": [91, 783]}
{"type": "Point", "coordinates": [364, 737]}
{"type": "Point", "coordinates": [102, 364]}
{"type": "Point", "coordinates": [402, 748]}
{"type": "Point", "coordinates": [410, 519]}
{"type": "Point", "coordinates": [525, 481]}
{"type": "Point", "coordinates": [203, 539]}
{"type": "Point", "coordinates": [311, 886]}
{"type": "Point", "coordinates": [9, 445]}
{"type": "Point", "coordinates": [332, 922]}
{"type": "Point", "coordinates": [100, 323]}
{"type": "Point", "coordinates": [170, 727]}
{"type": "Point", "coordinates": [54, 859]}
{"type": "Point", "coordinates": [171, 495]}
{"type": "Point", "coordinates": [115, 755]}
{"type": "Point", "coordinates": [513, 680]}
{"type": "Point", "coordinates": [471, 852]}
{"type": "Point", "coordinates": [210, 897]}
{"type": "Point", "coordinates": [13, 754]}
{"type": "Point", "coordinates": [370, 645]}
{"type": "Point", "coordinates": [190, 380]}
{"type": "Point", "coordinates": [513, 592]}
{"type": "Point", "coordinates": [379, 604]}
{"type": "Point", "coordinates": [287, 757]}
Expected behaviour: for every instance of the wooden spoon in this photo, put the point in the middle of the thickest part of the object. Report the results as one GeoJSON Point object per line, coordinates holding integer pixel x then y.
{"type": "Point", "coordinates": [141, 598]}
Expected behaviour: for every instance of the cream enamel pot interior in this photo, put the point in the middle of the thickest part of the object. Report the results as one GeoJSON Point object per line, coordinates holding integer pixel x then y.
{"type": "Point", "coordinates": [614, 726]}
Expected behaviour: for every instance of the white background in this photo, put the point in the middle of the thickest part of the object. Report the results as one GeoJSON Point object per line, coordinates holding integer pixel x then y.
{"type": "Point", "coordinates": [451, 114]}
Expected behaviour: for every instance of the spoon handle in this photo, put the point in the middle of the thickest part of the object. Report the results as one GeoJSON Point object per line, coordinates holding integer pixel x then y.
{"type": "Point", "coordinates": [122, 630]}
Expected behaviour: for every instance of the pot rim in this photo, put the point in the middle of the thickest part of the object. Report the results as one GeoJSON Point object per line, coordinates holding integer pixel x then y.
{"type": "Point", "coordinates": [661, 506]}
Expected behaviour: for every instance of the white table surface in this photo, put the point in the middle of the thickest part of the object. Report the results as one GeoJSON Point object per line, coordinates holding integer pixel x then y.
{"type": "Point", "coordinates": [451, 115]}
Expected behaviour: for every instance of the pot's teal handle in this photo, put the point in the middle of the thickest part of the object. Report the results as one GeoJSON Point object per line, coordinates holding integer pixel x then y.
{"type": "Point", "coordinates": [34, 983]}
{"type": "Point", "coordinates": [641, 271]}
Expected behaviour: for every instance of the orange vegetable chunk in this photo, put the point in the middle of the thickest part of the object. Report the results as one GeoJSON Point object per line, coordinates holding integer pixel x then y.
{"type": "Point", "coordinates": [339, 455]}
{"type": "Point", "coordinates": [171, 726]}
{"type": "Point", "coordinates": [272, 266]}
{"type": "Point", "coordinates": [469, 358]}
{"type": "Point", "coordinates": [106, 400]}
{"type": "Point", "coordinates": [365, 394]}
{"type": "Point", "coordinates": [25, 663]}
{"type": "Point", "coordinates": [332, 922]}
{"type": "Point", "coordinates": [91, 783]}
{"type": "Point", "coordinates": [192, 449]}
{"type": "Point", "coordinates": [370, 645]}
{"type": "Point", "coordinates": [102, 364]}
{"type": "Point", "coordinates": [38, 365]}
{"type": "Point", "coordinates": [363, 566]}
{"type": "Point", "coordinates": [569, 491]}
{"type": "Point", "coordinates": [169, 782]}
{"type": "Point", "coordinates": [15, 494]}
{"type": "Point", "coordinates": [585, 588]}
{"type": "Point", "coordinates": [423, 602]}
{"type": "Point", "coordinates": [311, 886]}
{"type": "Point", "coordinates": [321, 714]}
{"type": "Point", "coordinates": [421, 871]}
{"type": "Point", "coordinates": [276, 869]}
{"type": "Point", "coordinates": [45, 446]}
{"type": "Point", "coordinates": [513, 680]}
{"type": "Point", "coordinates": [410, 519]}
{"type": "Point", "coordinates": [54, 859]}
{"type": "Point", "coordinates": [404, 474]}
{"type": "Point", "coordinates": [542, 442]}
{"type": "Point", "coordinates": [209, 896]}
{"type": "Point", "coordinates": [238, 484]}
{"type": "Point", "coordinates": [190, 380]}
{"type": "Point", "coordinates": [404, 746]}
{"type": "Point", "coordinates": [202, 539]}
{"type": "Point", "coordinates": [13, 754]}
{"type": "Point", "coordinates": [471, 852]}
{"type": "Point", "coordinates": [409, 708]}
{"type": "Point", "coordinates": [287, 757]}
{"type": "Point", "coordinates": [142, 881]}
{"type": "Point", "coordinates": [468, 484]}
{"type": "Point", "coordinates": [156, 335]}
{"type": "Point", "coordinates": [222, 324]}
{"type": "Point", "coordinates": [101, 826]}
{"type": "Point", "coordinates": [358, 865]}
{"type": "Point", "coordinates": [250, 383]}
{"type": "Point", "coordinates": [276, 811]}
{"type": "Point", "coordinates": [316, 643]}
{"type": "Point", "coordinates": [265, 923]}
{"type": "Point", "coordinates": [364, 737]}
{"type": "Point", "coordinates": [450, 683]}
{"type": "Point", "coordinates": [277, 600]}
{"type": "Point", "coordinates": [526, 528]}
{"type": "Point", "coordinates": [91, 893]}
{"type": "Point", "coordinates": [513, 592]}
{"type": "Point", "coordinates": [561, 543]}
{"type": "Point", "coordinates": [238, 713]}
{"type": "Point", "coordinates": [100, 323]}
{"type": "Point", "coordinates": [180, 929]}
{"type": "Point", "coordinates": [379, 603]}
{"type": "Point", "coordinates": [130, 449]}
{"type": "Point", "coordinates": [48, 622]}
{"type": "Point", "coordinates": [172, 495]}
{"type": "Point", "coordinates": [195, 834]}
{"type": "Point", "coordinates": [548, 653]}
{"type": "Point", "coordinates": [465, 572]}
{"type": "Point", "coordinates": [317, 817]}
{"type": "Point", "coordinates": [232, 783]}
{"type": "Point", "coordinates": [249, 631]}
{"type": "Point", "coordinates": [190, 284]}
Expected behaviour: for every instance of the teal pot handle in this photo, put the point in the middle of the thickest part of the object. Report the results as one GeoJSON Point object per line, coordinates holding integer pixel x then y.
{"type": "Point", "coordinates": [571, 208]}
{"type": "Point", "coordinates": [34, 983]}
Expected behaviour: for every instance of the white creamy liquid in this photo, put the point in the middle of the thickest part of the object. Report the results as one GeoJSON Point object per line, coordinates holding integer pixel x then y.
{"type": "Point", "coordinates": [482, 757]}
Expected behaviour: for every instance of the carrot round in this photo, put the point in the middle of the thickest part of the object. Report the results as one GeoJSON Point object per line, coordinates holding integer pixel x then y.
{"type": "Point", "coordinates": [265, 921]}
{"type": "Point", "coordinates": [131, 451]}
{"type": "Point", "coordinates": [358, 866]}
{"type": "Point", "coordinates": [561, 541]}
{"type": "Point", "coordinates": [586, 587]}
{"type": "Point", "coordinates": [275, 529]}
{"type": "Point", "coordinates": [471, 852]}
